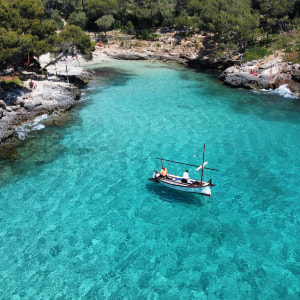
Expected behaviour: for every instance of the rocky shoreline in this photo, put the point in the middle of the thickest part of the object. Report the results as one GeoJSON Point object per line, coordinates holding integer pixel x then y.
{"type": "Point", "coordinates": [55, 94]}
{"type": "Point", "coordinates": [26, 104]}
{"type": "Point", "coordinates": [268, 73]}
{"type": "Point", "coordinates": [61, 89]}
{"type": "Point", "coordinates": [198, 52]}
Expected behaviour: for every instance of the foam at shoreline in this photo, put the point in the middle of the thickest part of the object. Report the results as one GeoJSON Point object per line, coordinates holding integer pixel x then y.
{"type": "Point", "coordinates": [283, 91]}
{"type": "Point", "coordinates": [23, 130]}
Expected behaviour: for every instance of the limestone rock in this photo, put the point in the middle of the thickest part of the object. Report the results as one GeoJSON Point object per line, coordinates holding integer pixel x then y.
{"type": "Point", "coordinates": [270, 72]}
{"type": "Point", "coordinates": [48, 97]}
{"type": "Point", "coordinates": [296, 72]}
{"type": "Point", "coordinates": [2, 104]}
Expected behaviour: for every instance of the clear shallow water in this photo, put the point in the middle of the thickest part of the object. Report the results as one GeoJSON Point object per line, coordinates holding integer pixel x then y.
{"type": "Point", "coordinates": [79, 219]}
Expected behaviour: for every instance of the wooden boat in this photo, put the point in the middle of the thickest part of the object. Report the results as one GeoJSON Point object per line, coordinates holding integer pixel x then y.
{"type": "Point", "coordinates": [185, 185]}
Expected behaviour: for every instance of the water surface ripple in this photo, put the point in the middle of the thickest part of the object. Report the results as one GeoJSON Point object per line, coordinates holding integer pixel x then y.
{"type": "Point", "coordinates": [80, 220]}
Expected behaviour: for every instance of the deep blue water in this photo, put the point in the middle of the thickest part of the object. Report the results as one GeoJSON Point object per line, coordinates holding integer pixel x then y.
{"type": "Point", "coordinates": [80, 220]}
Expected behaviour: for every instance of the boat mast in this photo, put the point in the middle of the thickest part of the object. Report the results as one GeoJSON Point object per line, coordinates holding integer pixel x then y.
{"type": "Point", "coordinates": [177, 162]}
{"type": "Point", "coordinates": [203, 163]}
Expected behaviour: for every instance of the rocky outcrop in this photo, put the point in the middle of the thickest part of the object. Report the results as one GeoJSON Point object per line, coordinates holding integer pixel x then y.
{"type": "Point", "coordinates": [196, 51]}
{"type": "Point", "coordinates": [55, 91]}
{"type": "Point", "coordinates": [206, 62]}
{"type": "Point", "coordinates": [296, 73]}
{"type": "Point", "coordinates": [168, 55]}
{"type": "Point", "coordinates": [146, 55]}
{"type": "Point", "coordinates": [46, 98]}
{"type": "Point", "coordinates": [268, 73]}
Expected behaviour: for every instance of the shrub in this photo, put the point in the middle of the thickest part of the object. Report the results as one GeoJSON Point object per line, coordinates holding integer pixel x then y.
{"type": "Point", "coordinates": [129, 27]}
{"type": "Point", "coordinates": [293, 57]}
{"type": "Point", "coordinates": [78, 18]}
{"type": "Point", "coordinates": [255, 53]}
{"type": "Point", "coordinates": [137, 44]}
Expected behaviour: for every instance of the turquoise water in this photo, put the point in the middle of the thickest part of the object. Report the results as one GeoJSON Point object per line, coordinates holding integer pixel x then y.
{"type": "Point", "coordinates": [80, 220]}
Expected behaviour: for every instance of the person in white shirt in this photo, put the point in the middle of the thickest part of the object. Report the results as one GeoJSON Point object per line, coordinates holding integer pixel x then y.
{"type": "Point", "coordinates": [185, 176]}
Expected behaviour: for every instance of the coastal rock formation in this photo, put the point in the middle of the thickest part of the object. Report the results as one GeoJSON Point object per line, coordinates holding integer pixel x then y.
{"type": "Point", "coordinates": [144, 54]}
{"type": "Point", "coordinates": [56, 91]}
{"type": "Point", "coordinates": [46, 98]}
{"type": "Point", "coordinates": [53, 94]}
{"type": "Point", "coordinates": [199, 51]}
{"type": "Point", "coordinates": [268, 73]}
{"type": "Point", "coordinates": [196, 51]}
{"type": "Point", "coordinates": [296, 73]}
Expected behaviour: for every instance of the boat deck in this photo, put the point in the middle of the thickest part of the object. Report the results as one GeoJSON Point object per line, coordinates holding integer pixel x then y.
{"type": "Point", "coordinates": [176, 180]}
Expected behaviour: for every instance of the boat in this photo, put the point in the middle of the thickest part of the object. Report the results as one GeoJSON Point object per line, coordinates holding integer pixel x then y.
{"type": "Point", "coordinates": [182, 184]}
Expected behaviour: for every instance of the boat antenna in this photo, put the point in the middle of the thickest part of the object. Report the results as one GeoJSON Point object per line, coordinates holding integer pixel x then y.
{"type": "Point", "coordinates": [203, 163]}
{"type": "Point", "coordinates": [162, 163]}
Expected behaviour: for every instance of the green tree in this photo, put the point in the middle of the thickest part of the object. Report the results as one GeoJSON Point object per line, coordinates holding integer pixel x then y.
{"type": "Point", "coordinates": [129, 27]}
{"type": "Point", "coordinates": [73, 37]}
{"type": "Point", "coordinates": [105, 23]}
{"type": "Point", "coordinates": [31, 9]}
{"type": "Point", "coordinates": [78, 18]}
{"type": "Point", "coordinates": [23, 30]}
{"type": "Point", "coordinates": [143, 13]}
{"type": "Point", "coordinates": [183, 21]}
{"type": "Point", "coordinates": [65, 7]}
{"type": "Point", "coordinates": [99, 8]}
{"type": "Point", "coordinates": [167, 10]}
{"type": "Point", "coordinates": [14, 46]}
{"type": "Point", "coordinates": [193, 7]}
{"type": "Point", "coordinates": [43, 29]}
{"type": "Point", "coordinates": [232, 20]}
{"type": "Point", "coordinates": [276, 12]}
{"type": "Point", "coordinates": [55, 15]}
{"type": "Point", "coordinates": [7, 14]}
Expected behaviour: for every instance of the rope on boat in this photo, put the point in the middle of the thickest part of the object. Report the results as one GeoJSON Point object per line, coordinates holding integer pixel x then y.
{"type": "Point", "coordinates": [177, 162]}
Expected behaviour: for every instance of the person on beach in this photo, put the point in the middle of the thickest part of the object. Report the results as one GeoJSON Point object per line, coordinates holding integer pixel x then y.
{"type": "Point", "coordinates": [32, 85]}
{"type": "Point", "coordinates": [253, 72]}
{"type": "Point", "coordinates": [164, 172]}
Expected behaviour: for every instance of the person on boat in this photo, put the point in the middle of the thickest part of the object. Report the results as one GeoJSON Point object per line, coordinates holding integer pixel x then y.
{"type": "Point", "coordinates": [185, 176]}
{"type": "Point", "coordinates": [164, 172]}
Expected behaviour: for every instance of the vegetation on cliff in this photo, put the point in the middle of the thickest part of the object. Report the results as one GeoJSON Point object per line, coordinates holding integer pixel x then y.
{"type": "Point", "coordinates": [29, 28]}
{"type": "Point", "coordinates": [26, 31]}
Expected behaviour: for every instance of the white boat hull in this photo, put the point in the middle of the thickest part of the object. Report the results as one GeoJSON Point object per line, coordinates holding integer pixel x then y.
{"type": "Point", "coordinates": [192, 186]}
{"type": "Point", "coordinates": [205, 190]}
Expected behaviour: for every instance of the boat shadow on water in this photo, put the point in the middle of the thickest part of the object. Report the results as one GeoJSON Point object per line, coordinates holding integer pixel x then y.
{"type": "Point", "coordinates": [173, 196]}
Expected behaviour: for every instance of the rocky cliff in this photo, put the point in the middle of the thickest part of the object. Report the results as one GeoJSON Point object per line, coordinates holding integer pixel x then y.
{"type": "Point", "coordinates": [268, 73]}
